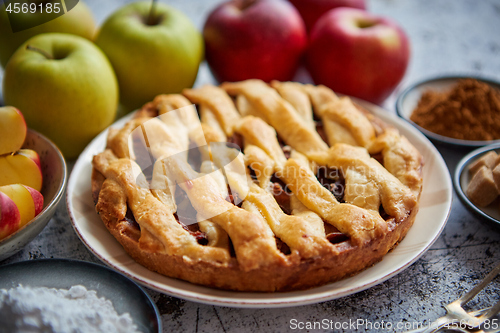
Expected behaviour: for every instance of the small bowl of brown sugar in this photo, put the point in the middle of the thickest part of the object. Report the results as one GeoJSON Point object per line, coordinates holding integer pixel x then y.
{"type": "Point", "coordinates": [463, 111]}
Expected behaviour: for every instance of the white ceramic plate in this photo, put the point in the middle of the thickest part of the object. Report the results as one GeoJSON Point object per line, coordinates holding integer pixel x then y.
{"type": "Point", "coordinates": [408, 100]}
{"type": "Point", "coordinates": [435, 206]}
{"type": "Point", "coordinates": [461, 181]}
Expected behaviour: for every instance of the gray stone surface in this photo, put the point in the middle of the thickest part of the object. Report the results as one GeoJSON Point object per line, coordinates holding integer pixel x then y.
{"type": "Point", "coordinates": [447, 36]}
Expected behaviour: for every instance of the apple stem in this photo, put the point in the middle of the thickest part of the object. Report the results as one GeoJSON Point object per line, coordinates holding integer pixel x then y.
{"type": "Point", "coordinates": [42, 52]}
{"type": "Point", "coordinates": [246, 3]}
{"type": "Point", "coordinates": [152, 14]}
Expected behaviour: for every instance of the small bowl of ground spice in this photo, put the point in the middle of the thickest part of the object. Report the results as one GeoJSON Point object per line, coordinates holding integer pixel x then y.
{"type": "Point", "coordinates": [463, 111]}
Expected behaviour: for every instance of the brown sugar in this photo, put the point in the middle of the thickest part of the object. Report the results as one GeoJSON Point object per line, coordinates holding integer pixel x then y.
{"type": "Point", "coordinates": [482, 189]}
{"type": "Point", "coordinates": [469, 111]}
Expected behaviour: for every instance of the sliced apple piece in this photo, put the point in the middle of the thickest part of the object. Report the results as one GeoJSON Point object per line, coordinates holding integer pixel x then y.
{"type": "Point", "coordinates": [24, 201]}
{"type": "Point", "coordinates": [21, 167]}
{"type": "Point", "coordinates": [10, 217]}
{"type": "Point", "coordinates": [37, 199]}
{"type": "Point", "coordinates": [13, 129]}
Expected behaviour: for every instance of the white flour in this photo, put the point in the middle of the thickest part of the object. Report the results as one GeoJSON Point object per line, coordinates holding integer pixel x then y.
{"type": "Point", "coordinates": [27, 310]}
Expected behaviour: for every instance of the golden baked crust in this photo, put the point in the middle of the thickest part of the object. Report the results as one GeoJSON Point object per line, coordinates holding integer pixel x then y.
{"type": "Point", "coordinates": [320, 190]}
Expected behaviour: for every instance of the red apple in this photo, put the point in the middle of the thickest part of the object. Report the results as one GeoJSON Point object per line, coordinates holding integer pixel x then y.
{"type": "Point", "coordinates": [262, 39]}
{"type": "Point", "coordinates": [312, 10]}
{"type": "Point", "coordinates": [357, 53]}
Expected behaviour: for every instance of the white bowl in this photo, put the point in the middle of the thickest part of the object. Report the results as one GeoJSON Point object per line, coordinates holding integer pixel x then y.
{"type": "Point", "coordinates": [408, 100]}
{"type": "Point", "coordinates": [54, 181]}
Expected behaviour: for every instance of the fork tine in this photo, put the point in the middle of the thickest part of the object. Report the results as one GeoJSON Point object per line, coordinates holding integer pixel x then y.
{"type": "Point", "coordinates": [476, 318]}
{"type": "Point", "coordinates": [455, 310]}
{"type": "Point", "coordinates": [491, 312]}
{"type": "Point", "coordinates": [474, 291]}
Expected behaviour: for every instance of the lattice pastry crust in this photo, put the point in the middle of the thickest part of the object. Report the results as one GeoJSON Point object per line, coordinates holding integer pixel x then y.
{"type": "Point", "coordinates": [320, 190]}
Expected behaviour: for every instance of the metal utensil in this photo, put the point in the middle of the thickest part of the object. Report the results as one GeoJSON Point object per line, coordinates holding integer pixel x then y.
{"type": "Point", "coordinates": [458, 319]}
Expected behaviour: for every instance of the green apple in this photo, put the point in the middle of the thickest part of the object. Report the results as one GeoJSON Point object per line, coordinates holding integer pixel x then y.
{"type": "Point", "coordinates": [78, 21]}
{"type": "Point", "coordinates": [66, 88]}
{"type": "Point", "coordinates": [153, 54]}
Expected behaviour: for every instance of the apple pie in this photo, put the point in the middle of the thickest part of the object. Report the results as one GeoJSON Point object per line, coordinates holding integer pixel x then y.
{"type": "Point", "coordinates": [252, 186]}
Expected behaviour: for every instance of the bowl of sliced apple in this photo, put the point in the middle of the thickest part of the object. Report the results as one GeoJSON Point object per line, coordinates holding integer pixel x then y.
{"type": "Point", "coordinates": [32, 180]}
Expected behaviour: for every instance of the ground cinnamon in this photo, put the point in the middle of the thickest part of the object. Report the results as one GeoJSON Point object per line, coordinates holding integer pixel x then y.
{"type": "Point", "coordinates": [469, 111]}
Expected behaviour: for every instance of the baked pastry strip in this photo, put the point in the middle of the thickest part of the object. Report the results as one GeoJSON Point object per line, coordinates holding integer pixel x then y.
{"type": "Point", "coordinates": [312, 218]}
{"type": "Point", "coordinates": [153, 216]}
{"type": "Point", "coordinates": [297, 207]}
{"type": "Point", "coordinates": [401, 158]}
{"type": "Point", "coordinates": [245, 108]}
{"type": "Point", "coordinates": [208, 118]}
{"type": "Point", "coordinates": [203, 138]}
{"type": "Point", "coordinates": [292, 230]}
{"type": "Point", "coordinates": [293, 93]}
{"type": "Point", "coordinates": [256, 132]}
{"type": "Point", "coordinates": [254, 245]}
{"type": "Point", "coordinates": [216, 235]}
{"type": "Point", "coordinates": [359, 224]}
{"type": "Point", "coordinates": [165, 140]}
{"type": "Point", "coordinates": [356, 163]}
{"type": "Point", "coordinates": [179, 109]}
{"type": "Point", "coordinates": [279, 114]}
{"type": "Point", "coordinates": [118, 139]}
{"type": "Point", "coordinates": [261, 163]}
{"type": "Point", "coordinates": [165, 135]}
{"type": "Point", "coordinates": [342, 121]}
{"type": "Point", "coordinates": [320, 96]}
{"type": "Point", "coordinates": [184, 110]}
{"type": "Point", "coordinates": [172, 141]}
{"type": "Point", "coordinates": [168, 102]}
{"type": "Point", "coordinates": [218, 102]}
{"type": "Point", "coordinates": [171, 137]}
{"type": "Point", "coordinates": [360, 190]}
{"type": "Point", "coordinates": [231, 162]}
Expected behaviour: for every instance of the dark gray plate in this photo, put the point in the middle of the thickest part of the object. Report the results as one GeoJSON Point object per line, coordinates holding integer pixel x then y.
{"type": "Point", "coordinates": [125, 294]}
